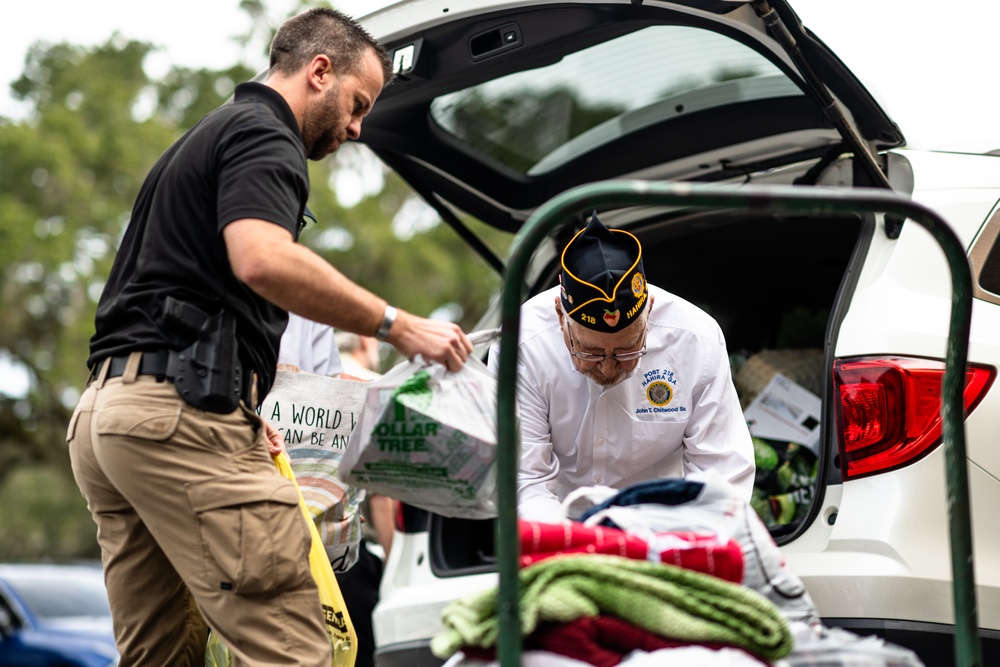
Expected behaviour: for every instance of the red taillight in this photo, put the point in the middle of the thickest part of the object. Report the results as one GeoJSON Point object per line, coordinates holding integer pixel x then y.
{"type": "Point", "coordinates": [888, 410]}
{"type": "Point", "coordinates": [410, 519]}
{"type": "Point", "coordinates": [399, 519]}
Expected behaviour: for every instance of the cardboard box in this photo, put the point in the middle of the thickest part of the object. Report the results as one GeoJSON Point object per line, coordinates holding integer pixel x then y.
{"type": "Point", "coordinates": [784, 410]}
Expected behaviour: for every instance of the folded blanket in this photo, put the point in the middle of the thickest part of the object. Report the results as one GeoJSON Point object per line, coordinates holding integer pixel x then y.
{"type": "Point", "coordinates": [670, 601]}
{"type": "Point", "coordinates": [701, 552]}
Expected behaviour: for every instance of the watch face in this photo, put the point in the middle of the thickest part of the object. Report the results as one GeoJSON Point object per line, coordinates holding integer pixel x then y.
{"type": "Point", "coordinates": [387, 320]}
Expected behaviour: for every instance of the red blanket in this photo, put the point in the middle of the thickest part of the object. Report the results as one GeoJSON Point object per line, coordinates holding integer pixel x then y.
{"type": "Point", "coordinates": [699, 552]}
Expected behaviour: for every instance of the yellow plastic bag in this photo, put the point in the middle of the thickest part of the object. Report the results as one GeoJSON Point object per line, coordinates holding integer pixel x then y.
{"type": "Point", "coordinates": [338, 623]}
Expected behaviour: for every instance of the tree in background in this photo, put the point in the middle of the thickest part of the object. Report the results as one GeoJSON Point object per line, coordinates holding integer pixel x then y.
{"type": "Point", "coordinates": [69, 174]}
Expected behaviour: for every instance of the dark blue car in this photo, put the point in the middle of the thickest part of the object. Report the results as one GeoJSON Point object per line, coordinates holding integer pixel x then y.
{"type": "Point", "coordinates": [55, 615]}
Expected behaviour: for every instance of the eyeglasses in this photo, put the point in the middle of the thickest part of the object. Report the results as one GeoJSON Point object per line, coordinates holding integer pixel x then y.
{"type": "Point", "coordinates": [598, 358]}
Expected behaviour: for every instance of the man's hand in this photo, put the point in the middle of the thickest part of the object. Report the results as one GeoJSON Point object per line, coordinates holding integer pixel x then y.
{"type": "Point", "coordinates": [434, 340]}
{"type": "Point", "coordinates": [275, 440]}
{"type": "Point", "coordinates": [266, 258]}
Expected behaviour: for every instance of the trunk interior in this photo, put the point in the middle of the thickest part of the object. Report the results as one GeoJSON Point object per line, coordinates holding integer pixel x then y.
{"type": "Point", "coordinates": [772, 283]}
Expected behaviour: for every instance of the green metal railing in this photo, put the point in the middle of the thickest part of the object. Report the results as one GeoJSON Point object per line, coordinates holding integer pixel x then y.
{"type": "Point", "coordinates": [814, 201]}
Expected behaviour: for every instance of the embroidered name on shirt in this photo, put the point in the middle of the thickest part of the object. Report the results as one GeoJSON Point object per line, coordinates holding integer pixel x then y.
{"type": "Point", "coordinates": [659, 386]}
{"type": "Point", "coordinates": [659, 375]}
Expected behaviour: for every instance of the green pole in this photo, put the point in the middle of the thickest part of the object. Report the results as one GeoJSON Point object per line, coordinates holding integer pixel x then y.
{"type": "Point", "coordinates": [773, 199]}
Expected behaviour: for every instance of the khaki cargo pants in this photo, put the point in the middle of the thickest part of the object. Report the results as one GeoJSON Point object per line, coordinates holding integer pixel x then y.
{"type": "Point", "coordinates": [190, 510]}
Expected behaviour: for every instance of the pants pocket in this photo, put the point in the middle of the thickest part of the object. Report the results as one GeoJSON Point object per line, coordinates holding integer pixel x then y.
{"type": "Point", "coordinates": [71, 429]}
{"type": "Point", "coordinates": [254, 537]}
{"type": "Point", "coordinates": [148, 420]}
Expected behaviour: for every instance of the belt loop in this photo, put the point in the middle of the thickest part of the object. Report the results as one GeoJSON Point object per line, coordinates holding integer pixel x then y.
{"type": "Point", "coordinates": [254, 397]}
{"type": "Point", "coordinates": [102, 372]}
{"type": "Point", "coordinates": [131, 367]}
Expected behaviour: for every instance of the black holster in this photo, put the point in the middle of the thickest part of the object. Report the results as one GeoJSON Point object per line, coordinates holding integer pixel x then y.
{"type": "Point", "coordinates": [207, 373]}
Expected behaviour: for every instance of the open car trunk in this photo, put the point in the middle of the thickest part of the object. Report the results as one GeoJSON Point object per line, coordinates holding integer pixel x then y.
{"type": "Point", "coordinates": [773, 284]}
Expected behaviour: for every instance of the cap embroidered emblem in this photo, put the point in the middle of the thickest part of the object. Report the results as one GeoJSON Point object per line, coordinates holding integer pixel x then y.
{"type": "Point", "coordinates": [638, 285]}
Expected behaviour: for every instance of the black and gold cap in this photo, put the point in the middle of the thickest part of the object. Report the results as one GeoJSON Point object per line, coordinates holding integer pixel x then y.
{"type": "Point", "coordinates": [603, 286]}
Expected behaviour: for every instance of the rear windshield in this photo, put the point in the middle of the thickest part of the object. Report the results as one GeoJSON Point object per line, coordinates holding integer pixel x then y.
{"type": "Point", "coordinates": [538, 120]}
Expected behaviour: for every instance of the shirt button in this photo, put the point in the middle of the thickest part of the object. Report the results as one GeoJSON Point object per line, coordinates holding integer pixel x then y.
{"type": "Point", "coordinates": [600, 441]}
{"type": "Point", "coordinates": [598, 479]}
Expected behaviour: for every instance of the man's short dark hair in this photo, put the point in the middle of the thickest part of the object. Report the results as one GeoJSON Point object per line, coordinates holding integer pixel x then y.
{"type": "Point", "coordinates": [328, 31]}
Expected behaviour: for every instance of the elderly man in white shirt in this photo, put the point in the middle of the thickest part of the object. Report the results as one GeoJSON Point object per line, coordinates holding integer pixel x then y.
{"type": "Point", "coordinates": [620, 382]}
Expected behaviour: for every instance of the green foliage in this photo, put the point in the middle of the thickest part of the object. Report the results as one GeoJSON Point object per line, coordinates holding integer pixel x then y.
{"type": "Point", "coordinates": [70, 173]}
{"type": "Point", "coordinates": [520, 129]}
{"type": "Point", "coordinates": [46, 517]}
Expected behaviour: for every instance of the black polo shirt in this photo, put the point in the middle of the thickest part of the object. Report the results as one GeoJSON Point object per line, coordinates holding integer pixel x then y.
{"type": "Point", "coordinates": [243, 160]}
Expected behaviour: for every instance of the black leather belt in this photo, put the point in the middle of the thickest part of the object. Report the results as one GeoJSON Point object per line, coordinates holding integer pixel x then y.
{"type": "Point", "coordinates": [155, 364]}
{"type": "Point", "coordinates": [151, 363]}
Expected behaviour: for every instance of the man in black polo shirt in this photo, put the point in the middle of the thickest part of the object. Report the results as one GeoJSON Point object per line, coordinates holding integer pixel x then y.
{"type": "Point", "coordinates": [165, 444]}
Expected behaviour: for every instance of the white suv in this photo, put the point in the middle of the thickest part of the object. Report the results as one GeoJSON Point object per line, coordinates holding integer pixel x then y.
{"type": "Point", "coordinates": [499, 105]}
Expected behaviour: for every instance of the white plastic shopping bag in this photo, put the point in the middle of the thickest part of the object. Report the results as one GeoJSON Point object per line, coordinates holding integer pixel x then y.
{"type": "Point", "coordinates": [427, 437]}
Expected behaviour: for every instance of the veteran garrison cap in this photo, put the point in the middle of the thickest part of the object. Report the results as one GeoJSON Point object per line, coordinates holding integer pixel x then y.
{"type": "Point", "coordinates": [603, 284]}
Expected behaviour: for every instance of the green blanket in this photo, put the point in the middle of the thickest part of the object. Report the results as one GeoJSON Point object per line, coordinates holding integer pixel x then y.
{"type": "Point", "coordinates": [673, 602]}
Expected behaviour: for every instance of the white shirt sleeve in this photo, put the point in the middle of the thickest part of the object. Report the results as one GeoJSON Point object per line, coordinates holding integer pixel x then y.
{"type": "Point", "coordinates": [310, 346]}
{"type": "Point", "coordinates": [538, 472]}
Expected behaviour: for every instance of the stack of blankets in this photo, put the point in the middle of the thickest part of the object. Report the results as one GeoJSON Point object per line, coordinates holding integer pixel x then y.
{"type": "Point", "coordinates": [664, 572]}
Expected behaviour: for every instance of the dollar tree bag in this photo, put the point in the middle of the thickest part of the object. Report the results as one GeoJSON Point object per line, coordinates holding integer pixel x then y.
{"type": "Point", "coordinates": [338, 623]}
{"type": "Point", "coordinates": [427, 437]}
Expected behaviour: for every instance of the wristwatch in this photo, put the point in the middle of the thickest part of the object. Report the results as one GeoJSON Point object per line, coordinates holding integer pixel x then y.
{"type": "Point", "coordinates": [387, 319]}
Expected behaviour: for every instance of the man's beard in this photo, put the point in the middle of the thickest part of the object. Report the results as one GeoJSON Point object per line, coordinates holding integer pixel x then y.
{"type": "Point", "coordinates": [604, 380]}
{"type": "Point", "coordinates": [321, 131]}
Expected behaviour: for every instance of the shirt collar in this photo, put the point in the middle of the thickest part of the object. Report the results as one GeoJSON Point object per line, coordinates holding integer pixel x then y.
{"type": "Point", "coordinates": [252, 90]}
